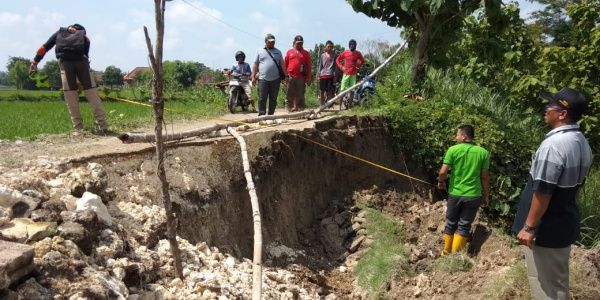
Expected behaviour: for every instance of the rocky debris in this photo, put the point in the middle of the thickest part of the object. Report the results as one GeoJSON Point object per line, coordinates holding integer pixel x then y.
{"type": "Point", "coordinates": [16, 261]}
{"type": "Point", "coordinates": [5, 214]}
{"type": "Point", "coordinates": [26, 230]}
{"type": "Point", "coordinates": [20, 205]}
{"type": "Point", "coordinates": [90, 201]}
{"type": "Point", "coordinates": [92, 178]}
{"type": "Point", "coordinates": [31, 289]}
{"type": "Point", "coordinates": [78, 234]}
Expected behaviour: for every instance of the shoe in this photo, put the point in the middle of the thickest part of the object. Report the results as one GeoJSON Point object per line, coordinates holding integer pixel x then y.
{"type": "Point", "coordinates": [448, 238]}
{"type": "Point", "coordinates": [459, 243]}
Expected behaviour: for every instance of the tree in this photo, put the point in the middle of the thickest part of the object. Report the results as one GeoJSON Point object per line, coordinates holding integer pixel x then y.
{"type": "Point", "coordinates": [182, 73]}
{"type": "Point", "coordinates": [553, 21]}
{"type": "Point", "coordinates": [18, 73]}
{"type": "Point", "coordinates": [113, 76]}
{"type": "Point", "coordinates": [52, 71]}
{"type": "Point", "coordinates": [430, 25]}
{"type": "Point", "coordinates": [3, 78]}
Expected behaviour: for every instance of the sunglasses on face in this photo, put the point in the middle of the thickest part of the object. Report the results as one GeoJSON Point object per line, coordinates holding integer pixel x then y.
{"type": "Point", "coordinates": [549, 107]}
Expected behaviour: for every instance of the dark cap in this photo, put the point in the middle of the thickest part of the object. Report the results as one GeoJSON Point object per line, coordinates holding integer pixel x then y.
{"type": "Point", "coordinates": [77, 26]}
{"type": "Point", "coordinates": [269, 38]}
{"type": "Point", "coordinates": [569, 99]}
{"type": "Point", "coordinates": [298, 38]}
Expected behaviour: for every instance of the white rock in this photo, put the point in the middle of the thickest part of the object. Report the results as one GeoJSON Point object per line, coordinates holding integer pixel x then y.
{"type": "Point", "coordinates": [119, 273]}
{"type": "Point", "coordinates": [230, 262]}
{"type": "Point", "coordinates": [94, 202]}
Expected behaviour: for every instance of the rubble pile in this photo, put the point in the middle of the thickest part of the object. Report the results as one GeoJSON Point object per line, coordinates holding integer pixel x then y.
{"type": "Point", "coordinates": [88, 245]}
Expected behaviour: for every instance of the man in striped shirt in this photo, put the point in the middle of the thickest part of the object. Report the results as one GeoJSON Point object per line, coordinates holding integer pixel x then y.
{"type": "Point", "coordinates": [547, 220]}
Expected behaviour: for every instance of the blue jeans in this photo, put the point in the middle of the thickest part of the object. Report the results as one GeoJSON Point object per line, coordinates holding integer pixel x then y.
{"type": "Point", "coordinates": [460, 214]}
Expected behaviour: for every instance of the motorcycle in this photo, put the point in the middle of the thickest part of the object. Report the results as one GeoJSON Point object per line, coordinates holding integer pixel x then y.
{"type": "Point", "coordinates": [364, 91]}
{"type": "Point", "coordinates": [362, 94]}
{"type": "Point", "coordinates": [237, 95]}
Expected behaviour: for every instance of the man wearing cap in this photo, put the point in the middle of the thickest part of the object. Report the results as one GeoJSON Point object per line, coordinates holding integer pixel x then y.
{"type": "Point", "coordinates": [268, 71]}
{"type": "Point", "coordinates": [547, 220]}
{"type": "Point", "coordinates": [72, 47]}
{"type": "Point", "coordinates": [298, 65]}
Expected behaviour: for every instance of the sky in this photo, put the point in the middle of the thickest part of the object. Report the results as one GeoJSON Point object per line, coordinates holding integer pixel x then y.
{"type": "Point", "coordinates": [208, 31]}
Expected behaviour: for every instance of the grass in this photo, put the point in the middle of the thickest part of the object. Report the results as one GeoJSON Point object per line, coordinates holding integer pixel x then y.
{"type": "Point", "coordinates": [28, 114]}
{"type": "Point", "coordinates": [10, 94]}
{"type": "Point", "coordinates": [453, 263]}
{"type": "Point", "coordinates": [26, 120]}
{"type": "Point", "coordinates": [511, 285]}
{"type": "Point", "coordinates": [589, 207]}
{"type": "Point", "coordinates": [386, 255]}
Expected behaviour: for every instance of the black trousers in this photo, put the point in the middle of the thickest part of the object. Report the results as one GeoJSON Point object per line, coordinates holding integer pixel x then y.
{"type": "Point", "coordinates": [460, 214]}
{"type": "Point", "coordinates": [267, 90]}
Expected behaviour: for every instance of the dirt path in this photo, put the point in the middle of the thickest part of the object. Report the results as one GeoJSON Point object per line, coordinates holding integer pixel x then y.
{"type": "Point", "coordinates": [87, 145]}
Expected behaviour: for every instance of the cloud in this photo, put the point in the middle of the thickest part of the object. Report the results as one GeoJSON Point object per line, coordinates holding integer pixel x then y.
{"type": "Point", "coordinates": [10, 19]}
{"type": "Point", "coordinates": [193, 13]}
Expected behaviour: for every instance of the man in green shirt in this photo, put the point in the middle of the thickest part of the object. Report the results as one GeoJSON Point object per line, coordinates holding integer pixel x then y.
{"type": "Point", "coordinates": [469, 181]}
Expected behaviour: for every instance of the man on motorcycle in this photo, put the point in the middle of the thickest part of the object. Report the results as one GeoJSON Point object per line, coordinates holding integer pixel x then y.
{"type": "Point", "coordinates": [242, 71]}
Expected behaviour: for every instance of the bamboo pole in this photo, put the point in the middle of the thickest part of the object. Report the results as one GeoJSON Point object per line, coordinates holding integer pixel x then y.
{"type": "Point", "coordinates": [341, 94]}
{"type": "Point", "coordinates": [257, 257]}
{"type": "Point", "coordinates": [312, 114]}
{"type": "Point", "coordinates": [158, 104]}
{"type": "Point", "coordinates": [150, 137]}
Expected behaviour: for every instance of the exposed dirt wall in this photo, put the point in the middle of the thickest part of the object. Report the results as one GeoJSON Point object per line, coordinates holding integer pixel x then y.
{"type": "Point", "coordinates": [296, 181]}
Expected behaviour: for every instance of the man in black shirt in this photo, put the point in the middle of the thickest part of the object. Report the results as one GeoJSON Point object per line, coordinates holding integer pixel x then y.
{"type": "Point", "coordinates": [72, 48]}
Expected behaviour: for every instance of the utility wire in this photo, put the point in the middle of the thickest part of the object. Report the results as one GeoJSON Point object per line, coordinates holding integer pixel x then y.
{"type": "Point", "coordinates": [219, 20]}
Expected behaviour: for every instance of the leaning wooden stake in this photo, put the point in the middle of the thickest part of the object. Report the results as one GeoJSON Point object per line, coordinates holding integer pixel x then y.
{"type": "Point", "coordinates": [159, 105]}
{"type": "Point", "coordinates": [257, 260]}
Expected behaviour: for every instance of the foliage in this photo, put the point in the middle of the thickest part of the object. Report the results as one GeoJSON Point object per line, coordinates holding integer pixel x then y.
{"type": "Point", "coordinates": [552, 21]}
{"type": "Point", "coordinates": [28, 119]}
{"type": "Point", "coordinates": [512, 285]}
{"type": "Point", "coordinates": [13, 95]}
{"type": "Point", "coordinates": [3, 78]}
{"type": "Point", "coordinates": [430, 25]}
{"type": "Point", "coordinates": [518, 64]}
{"type": "Point", "coordinates": [496, 57]}
{"type": "Point", "coordinates": [456, 262]}
{"type": "Point", "coordinates": [425, 129]}
{"type": "Point", "coordinates": [386, 255]}
{"type": "Point", "coordinates": [18, 73]}
{"type": "Point", "coordinates": [589, 207]}
{"type": "Point", "coordinates": [112, 76]}
{"type": "Point", "coordinates": [182, 73]}
{"type": "Point", "coordinates": [51, 70]}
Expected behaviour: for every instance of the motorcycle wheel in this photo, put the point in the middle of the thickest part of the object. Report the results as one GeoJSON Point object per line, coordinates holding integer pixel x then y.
{"type": "Point", "coordinates": [231, 102]}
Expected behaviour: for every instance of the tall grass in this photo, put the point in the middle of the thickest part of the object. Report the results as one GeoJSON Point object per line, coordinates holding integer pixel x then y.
{"type": "Point", "coordinates": [386, 256]}
{"type": "Point", "coordinates": [589, 207]}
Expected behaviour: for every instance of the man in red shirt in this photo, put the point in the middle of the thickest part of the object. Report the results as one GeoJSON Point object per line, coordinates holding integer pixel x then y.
{"type": "Point", "coordinates": [349, 62]}
{"type": "Point", "coordinates": [298, 64]}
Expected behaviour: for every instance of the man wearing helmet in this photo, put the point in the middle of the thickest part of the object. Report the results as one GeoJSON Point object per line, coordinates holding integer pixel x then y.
{"type": "Point", "coordinates": [244, 71]}
{"type": "Point", "coordinates": [72, 47]}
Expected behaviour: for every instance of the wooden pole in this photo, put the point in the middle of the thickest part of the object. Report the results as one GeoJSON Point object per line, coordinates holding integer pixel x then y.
{"type": "Point", "coordinates": [159, 105]}
{"type": "Point", "coordinates": [257, 258]}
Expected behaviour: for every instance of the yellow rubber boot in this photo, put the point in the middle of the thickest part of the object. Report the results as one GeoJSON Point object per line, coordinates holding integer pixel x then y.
{"type": "Point", "coordinates": [459, 243]}
{"type": "Point", "coordinates": [447, 244]}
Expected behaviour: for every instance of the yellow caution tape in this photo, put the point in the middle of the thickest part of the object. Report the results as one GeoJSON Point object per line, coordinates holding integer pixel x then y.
{"type": "Point", "coordinates": [303, 138]}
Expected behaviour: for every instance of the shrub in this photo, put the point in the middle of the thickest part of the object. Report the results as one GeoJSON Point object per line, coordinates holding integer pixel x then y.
{"type": "Point", "coordinates": [425, 128]}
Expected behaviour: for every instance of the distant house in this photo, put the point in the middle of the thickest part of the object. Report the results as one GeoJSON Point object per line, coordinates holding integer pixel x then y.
{"type": "Point", "coordinates": [128, 78]}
